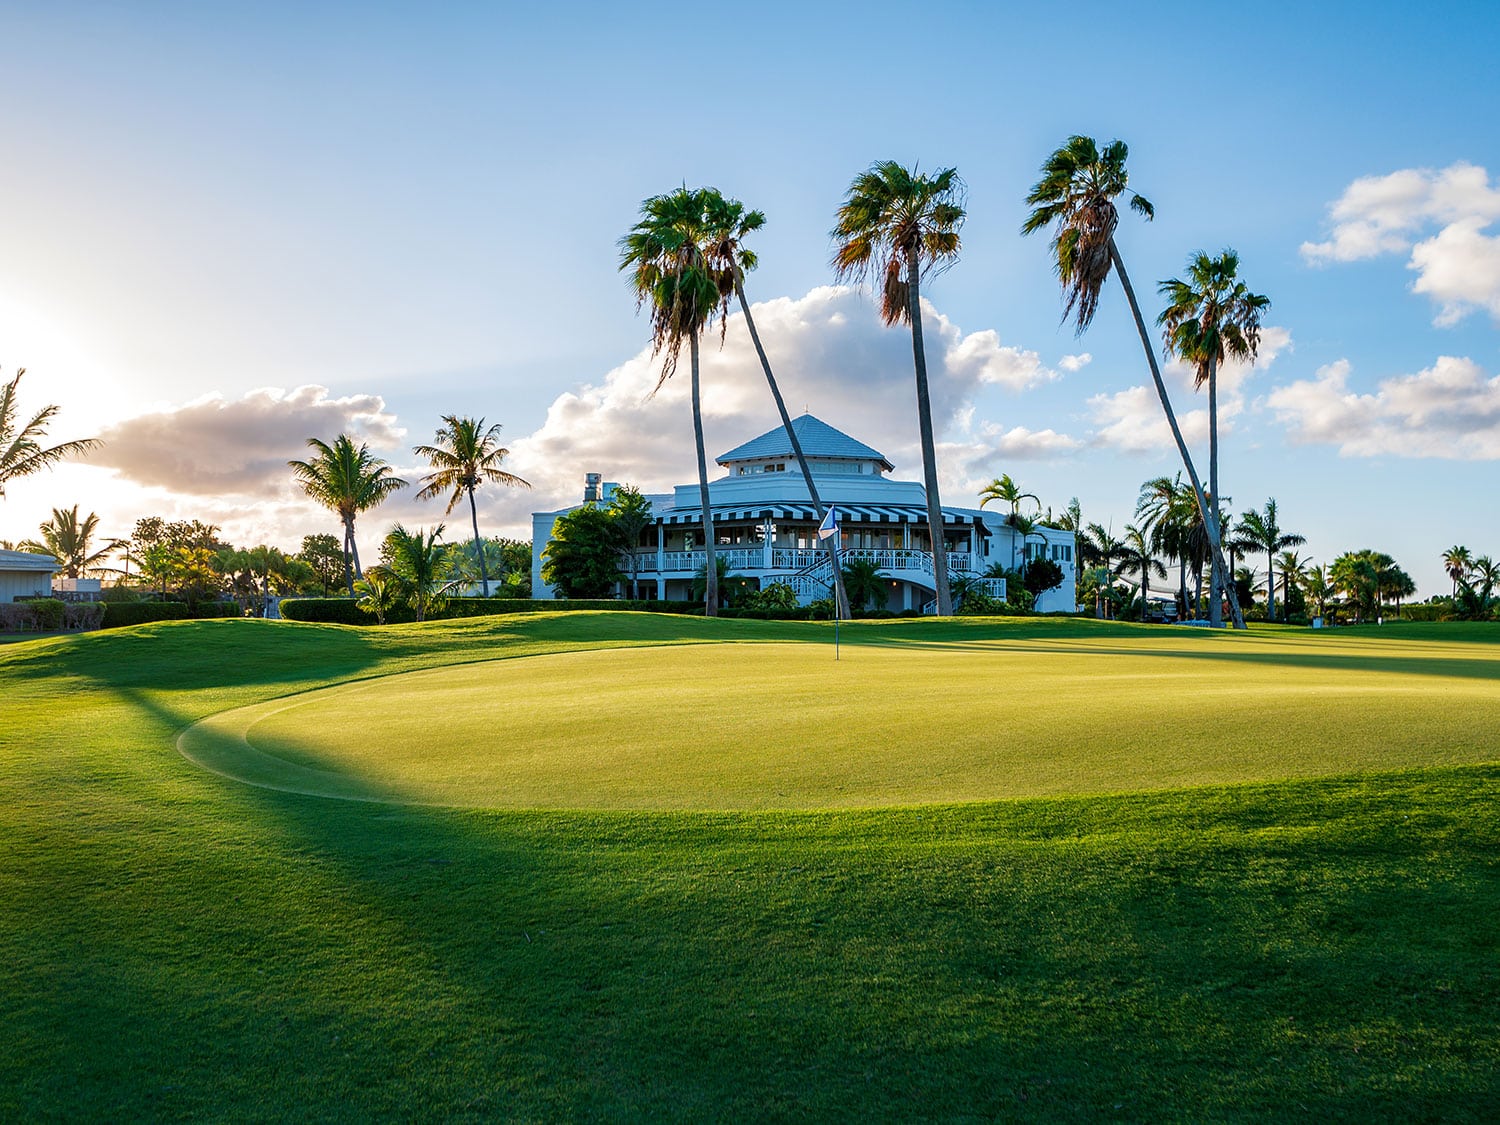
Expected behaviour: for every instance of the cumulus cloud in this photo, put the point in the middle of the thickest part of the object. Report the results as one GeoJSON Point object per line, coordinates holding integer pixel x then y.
{"type": "Point", "coordinates": [832, 356]}
{"type": "Point", "coordinates": [1458, 266]}
{"type": "Point", "coordinates": [1450, 410]}
{"type": "Point", "coordinates": [216, 447]}
{"type": "Point", "coordinates": [1132, 420]}
{"type": "Point", "coordinates": [1075, 362]}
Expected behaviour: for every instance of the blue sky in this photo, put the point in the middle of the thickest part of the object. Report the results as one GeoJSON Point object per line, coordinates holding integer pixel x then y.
{"type": "Point", "coordinates": [420, 207]}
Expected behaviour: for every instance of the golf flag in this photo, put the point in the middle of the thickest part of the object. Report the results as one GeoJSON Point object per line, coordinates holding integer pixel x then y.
{"type": "Point", "coordinates": [830, 525]}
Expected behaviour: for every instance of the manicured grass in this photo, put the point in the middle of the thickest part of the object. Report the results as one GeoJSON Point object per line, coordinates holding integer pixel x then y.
{"type": "Point", "coordinates": [174, 944]}
{"type": "Point", "coordinates": [900, 719]}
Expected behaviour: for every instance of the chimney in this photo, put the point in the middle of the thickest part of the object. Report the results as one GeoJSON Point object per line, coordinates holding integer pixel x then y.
{"type": "Point", "coordinates": [592, 492]}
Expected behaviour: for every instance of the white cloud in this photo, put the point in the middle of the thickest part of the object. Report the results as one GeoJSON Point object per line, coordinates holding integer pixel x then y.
{"type": "Point", "coordinates": [831, 355]}
{"type": "Point", "coordinates": [1450, 410]}
{"type": "Point", "coordinates": [1132, 420]}
{"type": "Point", "coordinates": [1075, 362]}
{"type": "Point", "coordinates": [980, 356]}
{"type": "Point", "coordinates": [1458, 267]}
{"type": "Point", "coordinates": [214, 447]}
{"type": "Point", "coordinates": [1021, 444]}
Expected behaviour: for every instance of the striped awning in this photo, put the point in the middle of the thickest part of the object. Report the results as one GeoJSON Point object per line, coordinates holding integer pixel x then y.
{"type": "Point", "coordinates": [806, 513]}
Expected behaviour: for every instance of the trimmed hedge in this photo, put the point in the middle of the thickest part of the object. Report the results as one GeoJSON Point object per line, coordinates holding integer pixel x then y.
{"type": "Point", "coordinates": [49, 615]}
{"type": "Point", "coordinates": [344, 611]}
{"type": "Point", "coordinates": [120, 614]}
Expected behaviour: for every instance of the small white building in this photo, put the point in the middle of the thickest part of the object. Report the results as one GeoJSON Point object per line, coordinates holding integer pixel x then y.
{"type": "Point", "coordinates": [765, 524]}
{"type": "Point", "coordinates": [24, 575]}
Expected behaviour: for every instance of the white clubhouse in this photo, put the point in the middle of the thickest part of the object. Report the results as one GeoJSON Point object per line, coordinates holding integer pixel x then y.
{"type": "Point", "coordinates": [766, 525]}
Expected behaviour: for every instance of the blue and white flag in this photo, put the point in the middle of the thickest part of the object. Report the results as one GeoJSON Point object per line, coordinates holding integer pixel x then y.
{"type": "Point", "coordinates": [830, 525]}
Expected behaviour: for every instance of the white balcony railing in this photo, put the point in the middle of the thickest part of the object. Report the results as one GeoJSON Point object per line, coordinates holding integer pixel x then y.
{"type": "Point", "coordinates": [743, 560]}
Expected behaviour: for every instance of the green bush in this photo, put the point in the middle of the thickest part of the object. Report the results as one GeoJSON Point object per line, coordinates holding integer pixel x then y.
{"type": "Point", "coordinates": [83, 615]}
{"type": "Point", "coordinates": [120, 614]}
{"type": "Point", "coordinates": [202, 610]}
{"type": "Point", "coordinates": [46, 614]}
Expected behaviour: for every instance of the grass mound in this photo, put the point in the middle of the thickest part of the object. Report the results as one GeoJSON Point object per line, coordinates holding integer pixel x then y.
{"type": "Point", "coordinates": [177, 945]}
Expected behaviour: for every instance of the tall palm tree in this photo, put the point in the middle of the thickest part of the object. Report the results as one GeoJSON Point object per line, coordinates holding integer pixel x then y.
{"type": "Point", "coordinates": [897, 226]}
{"type": "Point", "coordinates": [729, 224]}
{"type": "Point", "coordinates": [465, 456]}
{"type": "Point", "coordinates": [71, 541]}
{"type": "Point", "coordinates": [666, 256]}
{"type": "Point", "coordinates": [1457, 561]}
{"type": "Point", "coordinates": [1076, 195]}
{"type": "Point", "coordinates": [1262, 531]}
{"type": "Point", "coordinates": [21, 449]}
{"type": "Point", "coordinates": [1210, 317]}
{"type": "Point", "coordinates": [346, 480]}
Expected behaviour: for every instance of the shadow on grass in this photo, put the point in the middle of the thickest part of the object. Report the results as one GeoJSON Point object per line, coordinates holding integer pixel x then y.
{"type": "Point", "coordinates": [1266, 951]}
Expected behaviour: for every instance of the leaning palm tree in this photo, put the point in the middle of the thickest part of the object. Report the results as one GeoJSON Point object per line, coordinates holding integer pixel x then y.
{"type": "Point", "coordinates": [70, 541]}
{"type": "Point", "coordinates": [1076, 195]}
{"type": "Point", "coordinates": [731, 259]}
{"type": "Point", "coordinates": [1262, 531]}
{"type": "Point", "coordinates": [21, 449]}
{"type": "Point", "coordinates": [897, 225]}
{"type": "Point", "coordinates": [346, 480]}
{"type": "Point", "coordinates": [1457, 561]}
{"type": "Point", "coordinates": [465, 456]}
{"type": "Point", "coordinates": [1210, 317]}
{"type": "Point", "coordinates": [665, 254]}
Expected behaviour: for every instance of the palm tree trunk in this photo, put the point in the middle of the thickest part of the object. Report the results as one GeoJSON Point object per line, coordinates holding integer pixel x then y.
{"type": "Point", "coordinates": [1270, 585]}
{"type": "Point", "coordinates": [354, 550]}
{"type": "Point", "coordinates": [484, 578]}
{"type": "Point", "coordinates": [1210, 518]}
{"type": "Point", "coordinates": [1216, 575]}
{"type": "Point", "coordinates": [711, 572]}
{"type": "Point", "coordinates": [929, 446]}
{"type": "Point", "coordinates": [841, 597]}
{"type": "Point", "coordinates": [348, 565]}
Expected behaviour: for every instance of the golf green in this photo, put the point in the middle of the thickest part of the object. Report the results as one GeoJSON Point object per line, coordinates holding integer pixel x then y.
{"type": "Point", "coordinates": [747, 726]}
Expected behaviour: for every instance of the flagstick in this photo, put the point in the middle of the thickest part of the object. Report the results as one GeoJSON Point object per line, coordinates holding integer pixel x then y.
{"type": "Point", "coordinates": [836, 602]}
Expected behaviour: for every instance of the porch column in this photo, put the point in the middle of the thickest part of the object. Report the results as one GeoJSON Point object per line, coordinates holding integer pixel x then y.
{"type": "Point", "coordinates": [661, 553]}
{"type": "Point", "coordinates": [766, 546]}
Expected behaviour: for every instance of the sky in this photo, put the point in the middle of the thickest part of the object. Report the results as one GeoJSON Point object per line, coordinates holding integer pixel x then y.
{"type": "Point", "coordinates": [227, 228]}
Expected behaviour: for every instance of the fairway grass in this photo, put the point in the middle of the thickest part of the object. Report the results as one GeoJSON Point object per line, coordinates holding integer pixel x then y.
{"type": "Point", "coordinates": [785, 726]}
{"type": "Point", "coordinates": [1319, 939]}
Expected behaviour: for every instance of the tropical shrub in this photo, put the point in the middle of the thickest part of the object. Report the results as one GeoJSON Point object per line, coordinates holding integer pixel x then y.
{"type": "Point", "coordinates": [1041, 575]}
{"type": "Point", "coordinates": [776, 597]}
{"type": "Point", "coordinates": [83, 615]}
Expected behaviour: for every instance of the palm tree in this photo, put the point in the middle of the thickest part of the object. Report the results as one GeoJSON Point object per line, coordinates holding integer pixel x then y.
{"type": "Point", "coordinates": [665, 253]}
{"type": "Point", "coordinates": [21, 450]}
{"type": "Point", "coordinates": [1210, 317]}
{"type": "Point", "coordinates": [896, 226]}
{"type": "Point", "coordinates": [1457, 561]}
{"type": "Point", "coordinates": [70, 541]}
{"type": "Point", "coordinates": [416, 560]}
{"type": "Point", "coordinates": [1316, 587]}
{"type": "Point", "coordinates": [1292, 567]}
{"type": "Point", "coordinates": [1076, 193]}
{"type": "Point", "coordinates": [1262, 531]}
{"type": "Point", "coordinates": [1009, 491]}
{"type": "Point", "coordinates": [348, 481]}
{"type": "Point", "coordinates": [465, 456]}
{"type": "Point", "coordinates": [729, 223]}
{"type": "Point", "coordinates": [630, 512]}
{"type": "Point", "coordinates": [1136, 558]}
{"type": "Point", "coordinates": [1105, 549]}
{"type": "Point", "coordinates": [865, 582]}
{"type": "Point", "coordinates": [378, 592]}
